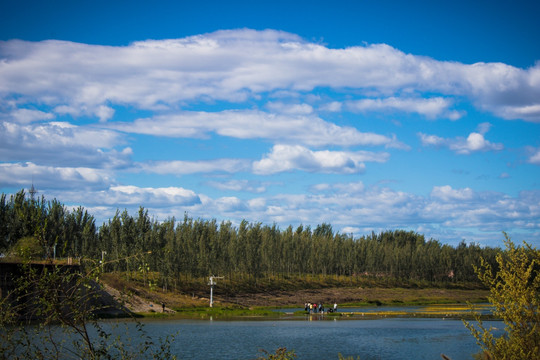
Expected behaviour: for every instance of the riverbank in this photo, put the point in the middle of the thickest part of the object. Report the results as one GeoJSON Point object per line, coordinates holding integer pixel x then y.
{"type": "Point", "coordinates": [149, 302]}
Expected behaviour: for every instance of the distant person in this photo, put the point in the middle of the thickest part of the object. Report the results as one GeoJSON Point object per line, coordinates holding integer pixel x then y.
{"type": "Point", "coordinates": [321, 308]}
{"type": "Point", "coordinates": [163, 306]}
{"type": "Point", "coordinates": [310, 307]}
{"type": "Point", "coordinates": [335, 307]}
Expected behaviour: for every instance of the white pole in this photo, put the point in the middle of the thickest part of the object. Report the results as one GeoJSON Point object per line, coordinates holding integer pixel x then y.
{"type": "Point", "coordinates": [103, 253]}
{"type": "Point", "coordinates": [212, 283]}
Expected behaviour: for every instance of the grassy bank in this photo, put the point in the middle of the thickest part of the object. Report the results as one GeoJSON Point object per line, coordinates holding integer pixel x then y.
{"type": "Point", "coordinates": [244, 297]}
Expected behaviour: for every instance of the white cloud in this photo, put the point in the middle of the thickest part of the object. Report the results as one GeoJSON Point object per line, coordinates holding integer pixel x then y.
{"type": "Point", "coordinates": [447, 193]}
{"type": "Point", "coordinates": [53, 177]}
{"type": "Point", "coordinates": [294, 157]}
{"type": "Point", "coordinates": [484, 211]}
{"type": "Point", "coordinates": [62, 143]}
{"type": "Point", "coordinates": [506, 91]}
{"type": "Point", "coordinates": [102, 112]}
{"type": "Point", "coordinates": [179, 167]}
{"type": "Point", "coordinates": [431, 107]}
{"type": "Point", "coordinates": [334, 106]}
{"type": "Point", "coordinates": [473, 143]}
{"type": "Point", "coordinates": [26, 116]}
{"type": "Point", "coordinates": [238, 185]}
{"type": "Point", "coordinates": [351, 230]}
{"type": "Point", "coordinates": [535, 156]}
{"type": "Point", "coordinates": [156, 197]}
{"type": "Point", "coordinates": [249, 124]}
{"type": "Point", "coordinates": [484, 127]}
{"type": "Point", "coordinates": [238, 64]}
{"type": "Point", "coordinates": [229, 205]}
{"type": "Point", "coordinates": [432, 140]}
{"type": "Point", "coordinates": [292, 109]}
{"type": "Point", "coordinates": [345, 188]}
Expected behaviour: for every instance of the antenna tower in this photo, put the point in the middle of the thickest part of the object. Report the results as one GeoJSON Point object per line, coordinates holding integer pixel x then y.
{"type": "Point", "coordinates": [32, 191]}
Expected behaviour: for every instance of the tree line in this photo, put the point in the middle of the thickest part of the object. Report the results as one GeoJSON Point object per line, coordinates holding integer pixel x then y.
{"type": "Point", "coordinates": [192, 248]}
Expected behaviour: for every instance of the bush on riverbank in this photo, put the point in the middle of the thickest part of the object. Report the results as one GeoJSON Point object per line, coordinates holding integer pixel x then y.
{"type": "Point", "coordinates": [515, 295]}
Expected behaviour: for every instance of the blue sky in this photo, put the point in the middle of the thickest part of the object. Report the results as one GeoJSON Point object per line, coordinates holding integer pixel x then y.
{"type": "Point", "coordinates": [415, 115]}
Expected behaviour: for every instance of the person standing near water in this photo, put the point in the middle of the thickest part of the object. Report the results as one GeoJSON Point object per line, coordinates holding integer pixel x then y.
{"type": "Point", "coordinates": [335, 307]}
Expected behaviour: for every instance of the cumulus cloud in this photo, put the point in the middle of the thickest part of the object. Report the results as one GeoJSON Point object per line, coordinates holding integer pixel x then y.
{"type": "Point", "coordinates": [102, 112]}
{"type": "Point", "coordinates": [473, 143]}
{"type": "Point", "coordinates": [26, 116]}
{"type": "Point", "coordinates": [54, 143]}
{"type": "Point", "coordinates": [156, 197]}
{"type": "Point", "coordinates": [251, 124]}
{"type": "Point", "coordinates": [295, 157]}
{"type": "Point", "coordinates": [383, 208]}
{"type": "Point", "coordinates": [230, 205]}
{"type": "Point", "coordinates": [447, 193]}
{"type": "Point", "coordinates": [53, 177]}
{"type": "Point", "coordinates": [235, 65]}
{"type": "Point", "coordinates": [485, 211]}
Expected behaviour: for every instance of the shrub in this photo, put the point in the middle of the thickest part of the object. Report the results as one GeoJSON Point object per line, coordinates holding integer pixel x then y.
{"type": "Point", "coordinates": [515, 295]}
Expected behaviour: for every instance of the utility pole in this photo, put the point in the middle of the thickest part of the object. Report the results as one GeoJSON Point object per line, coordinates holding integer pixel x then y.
{"type": "Point", "coordinates": [212, 283]}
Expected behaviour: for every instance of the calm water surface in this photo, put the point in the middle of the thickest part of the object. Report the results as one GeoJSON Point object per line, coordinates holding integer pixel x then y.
{"type": "Point", "coordinates": [390, 338]}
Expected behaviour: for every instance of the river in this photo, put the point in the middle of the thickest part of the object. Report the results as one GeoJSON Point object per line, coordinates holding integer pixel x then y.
{"type": "Point", "coordinates": [311, 338]}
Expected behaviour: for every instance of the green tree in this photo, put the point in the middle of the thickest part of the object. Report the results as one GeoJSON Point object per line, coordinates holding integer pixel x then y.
{"type": "Point", "coordinates": [515, 295]}
{"type": "Point", "coordinates": [27, 248]}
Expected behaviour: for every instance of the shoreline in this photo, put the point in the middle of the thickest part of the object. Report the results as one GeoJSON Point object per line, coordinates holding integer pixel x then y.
{"type": "Point", "coordinates": [428, 311]}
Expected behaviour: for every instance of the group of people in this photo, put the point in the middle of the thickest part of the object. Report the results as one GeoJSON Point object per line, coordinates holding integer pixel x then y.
{"type": "Point", "coordinates": [318, 308]}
